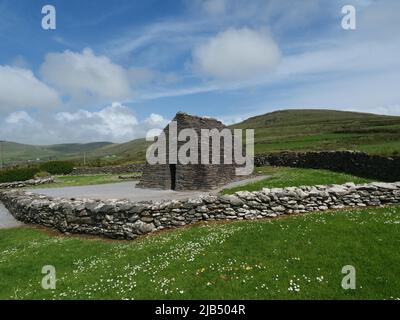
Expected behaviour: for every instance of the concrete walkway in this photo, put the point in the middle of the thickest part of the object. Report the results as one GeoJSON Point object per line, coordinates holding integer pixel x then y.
{"type": "Point", "coordinates": [6, 219]}
{"type": "Point", "coordinates": [128, 190]}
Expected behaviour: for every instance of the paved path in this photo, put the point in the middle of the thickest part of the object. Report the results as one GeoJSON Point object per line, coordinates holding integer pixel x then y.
{"type": "Point", "coordinates": [6, 219]}
{"type": "Point", "coordinates": [128, 190]}
{"type": "Point", "coordinates": [121, 190]}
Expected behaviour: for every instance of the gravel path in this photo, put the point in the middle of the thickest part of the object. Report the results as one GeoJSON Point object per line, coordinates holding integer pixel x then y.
{"type": "Point", "coordinates": [6, 219]}
{"type": "Point", "coordinates": [121, 190]}
{"type": "Point", "coordinates": [128, 190]}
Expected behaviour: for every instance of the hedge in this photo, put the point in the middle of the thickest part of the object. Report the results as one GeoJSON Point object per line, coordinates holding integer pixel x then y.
{"type": "Point", "coordinates": [57, 167]}
{"type": "Point", "coordinates": [18, 174]}
{"type": "Point", "coordinates": [26, 173]}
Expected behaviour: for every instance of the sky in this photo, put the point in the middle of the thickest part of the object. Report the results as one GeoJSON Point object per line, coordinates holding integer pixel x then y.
{"type": "Point", "coordinates": [112, 70]}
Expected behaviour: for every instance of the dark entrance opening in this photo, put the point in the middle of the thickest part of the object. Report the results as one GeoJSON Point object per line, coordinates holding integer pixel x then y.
{"type": "Point", "coordinates": [172, 169]}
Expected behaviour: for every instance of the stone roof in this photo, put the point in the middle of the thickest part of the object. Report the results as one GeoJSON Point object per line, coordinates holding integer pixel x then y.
{"type": "Point", "coordinates": [185, 120]}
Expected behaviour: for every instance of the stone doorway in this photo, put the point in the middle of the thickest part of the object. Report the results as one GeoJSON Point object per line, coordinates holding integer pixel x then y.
{"type": "Point", "coordinates": [172, 169]}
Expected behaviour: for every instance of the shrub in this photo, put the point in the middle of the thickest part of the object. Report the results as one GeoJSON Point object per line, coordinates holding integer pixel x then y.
{"type": "Point", "coordinates": [57, 167]}
{"type": "Point", "coordinates": [18, 174]}
{"type": "Point", "coordinates": [42, 174]}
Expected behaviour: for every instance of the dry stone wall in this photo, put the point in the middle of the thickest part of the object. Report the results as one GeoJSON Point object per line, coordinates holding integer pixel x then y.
{"type": "Point", "coordinates": [125, 219]}
{"type": "Point", "coordinates": [27, 183]}
{"type": "Point", "coordinates": [353, 162]}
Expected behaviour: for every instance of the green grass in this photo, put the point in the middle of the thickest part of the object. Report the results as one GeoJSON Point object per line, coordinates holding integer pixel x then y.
{"type": "Point", "coordinates": [305, 130]}
{"type": "Point", "coordinates": [235, 260]}
{"type": "Point", "coordinates": [280, 177]}
{"type": "Point", "coordinates": [85, 180]}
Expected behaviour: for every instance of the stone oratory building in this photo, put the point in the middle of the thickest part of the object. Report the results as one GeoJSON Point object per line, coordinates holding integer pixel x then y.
{"type": "Point", "coordinates": [190, 176]}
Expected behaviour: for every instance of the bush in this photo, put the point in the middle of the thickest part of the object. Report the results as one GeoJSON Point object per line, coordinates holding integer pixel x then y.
{"type": "Point", "coordinates": [42, 174]}
{"type": "Point", "coordinates": [57, 167]}
{"type": "Point", "coordinates": [18, 174]}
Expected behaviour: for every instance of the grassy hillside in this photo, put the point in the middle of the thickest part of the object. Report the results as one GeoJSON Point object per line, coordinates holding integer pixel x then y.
{"type": "Point", "coordinates": [299, 130]}
{"type": "Point", "coordinates": [15, 153]}
{"type": "Point", "coordinates": [302, 130]}
{"type": "Point", "coordinates": [131, 151]}
{"type": "Point", "coordinates": [73, 148]}
{"type": "Point", "coordinates": [287, 130]}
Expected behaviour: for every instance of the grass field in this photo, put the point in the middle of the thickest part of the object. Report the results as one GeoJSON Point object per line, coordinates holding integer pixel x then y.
{"type": "Point", "coordinates": [299, 257]}
{"type": "Point", "coordinates": [280, 177]}
{"type": "Point", "coordinates": [85, 180]}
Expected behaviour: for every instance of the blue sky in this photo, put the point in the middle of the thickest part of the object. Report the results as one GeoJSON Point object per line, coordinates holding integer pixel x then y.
{"type": "Point", "coordinates": [112, 70]}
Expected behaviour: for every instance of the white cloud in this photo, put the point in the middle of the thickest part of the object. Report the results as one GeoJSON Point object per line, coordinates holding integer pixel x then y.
{"type": "Point", "coordinates": [143, 76]}
{"type": "Point", "coordinates": [115, 123]}
{"type": "Point", "coordinates": [84, 75]}
{"type": "Point", "coordinates": [19, 88]}
{"type": "Point", "coordinates": [387, 110]}
{"type": "Point", "coordinates": [215, 7]}
{"type": "Point", "coordinates": [19, 117]}
{"type": "Point", "coordinates": [237, 54]}
{"type": "Point", "coordinates": [156, 120]}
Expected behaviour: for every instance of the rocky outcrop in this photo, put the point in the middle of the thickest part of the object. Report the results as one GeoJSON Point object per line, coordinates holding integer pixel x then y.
{"type": "Point", "coordinates": [353, 162]}
{"type": "Point", "coordinates": [127, 220]}
{"type": "Point", "coordinates": [27, 183]}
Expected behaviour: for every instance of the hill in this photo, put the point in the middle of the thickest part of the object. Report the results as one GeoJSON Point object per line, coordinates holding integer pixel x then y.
{"type": "Point", "coordinates": [73, 148]}
{"type": "Point", "coordinates": [300, 130]}
{"type": "Point", "coordinates": [131, 151]}
{"type": "Point", "coordinates": [16, 153]}
{"type": "Point", "coordinates": [285, 130]}
{"type": "Point", "coordinates": [12, 152]}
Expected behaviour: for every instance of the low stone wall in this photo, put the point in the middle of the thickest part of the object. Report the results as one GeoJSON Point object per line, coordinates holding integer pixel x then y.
{"type": "Point", "coordinates": [27, 183]}
{"type": "Point", "coordinates": [130, 168]}
{"type": "Point", "coordinates": [127, 220]}
{"type": "Point", "coordinates": [353, 162]}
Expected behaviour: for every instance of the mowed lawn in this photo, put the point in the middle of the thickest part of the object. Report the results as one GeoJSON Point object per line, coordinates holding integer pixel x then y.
{"type": "Point", "coordinates": [280, 177]}
{"type": "Point", "coordinates": [298, 257]}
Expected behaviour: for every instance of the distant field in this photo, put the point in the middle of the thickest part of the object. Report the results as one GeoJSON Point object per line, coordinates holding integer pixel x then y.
{"type": "Point", "coordinates": [298, 257]}
{"type": "Point", "coordinates": [280, 177]}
